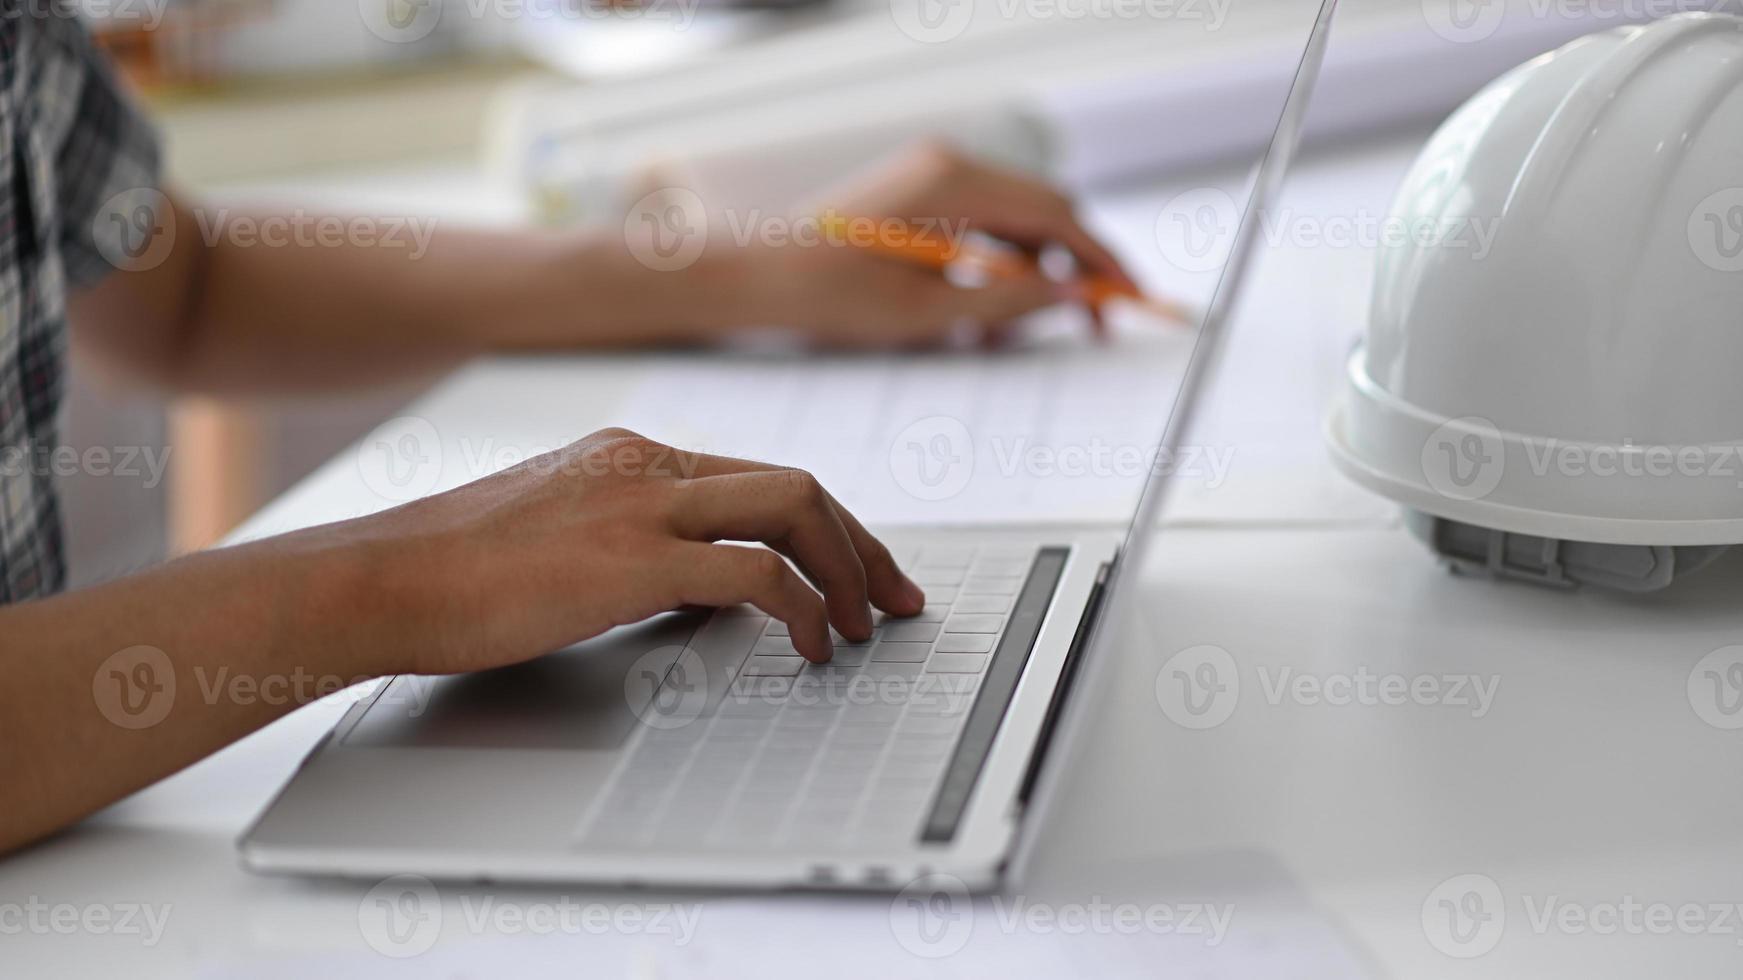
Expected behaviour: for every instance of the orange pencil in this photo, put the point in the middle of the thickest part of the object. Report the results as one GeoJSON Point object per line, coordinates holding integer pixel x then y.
{"type": "Point", "coordinates": [929, 250]}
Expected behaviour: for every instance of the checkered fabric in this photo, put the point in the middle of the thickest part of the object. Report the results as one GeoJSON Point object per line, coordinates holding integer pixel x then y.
{"type": "Point", "coordinates": [71, 142]}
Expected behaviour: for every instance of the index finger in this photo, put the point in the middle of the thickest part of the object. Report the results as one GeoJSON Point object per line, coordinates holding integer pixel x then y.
{"type": "Point", "coordinates": [886, 585]}
{"type": "Point", "coordinates": [1033, 213]}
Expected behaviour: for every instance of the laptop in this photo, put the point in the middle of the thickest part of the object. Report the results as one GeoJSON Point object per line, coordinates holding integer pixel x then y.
{"type": "Point", "coordinates": [698, 749]}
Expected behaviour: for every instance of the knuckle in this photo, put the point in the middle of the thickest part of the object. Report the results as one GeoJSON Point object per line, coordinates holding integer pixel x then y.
{"type": "Point", "coordinates": [769, 569]}
{"type": "Point", "coordinates": [941, 157]}
{"type": "Point", "coordinates": [804, 488]}
{"type": "Point", "coordinates": [616, 452]}
{"type": "Point", "coordinates": [612, 434]}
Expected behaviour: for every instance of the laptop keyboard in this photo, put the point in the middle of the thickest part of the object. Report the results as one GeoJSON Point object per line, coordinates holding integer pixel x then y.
{"type": "Point", "coordinates": [849, 753]}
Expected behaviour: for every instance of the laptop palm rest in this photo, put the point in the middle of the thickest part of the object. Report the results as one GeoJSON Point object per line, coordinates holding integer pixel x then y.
{"type": "Point", "coordinates": [577, 698]}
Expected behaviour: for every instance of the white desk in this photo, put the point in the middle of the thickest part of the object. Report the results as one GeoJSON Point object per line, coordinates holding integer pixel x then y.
{"type": "Point", "coordinates": [1590, 779]}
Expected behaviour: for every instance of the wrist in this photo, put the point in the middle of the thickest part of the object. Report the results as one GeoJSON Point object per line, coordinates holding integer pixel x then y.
{"type": "Point", "coordinates": [345, 610]}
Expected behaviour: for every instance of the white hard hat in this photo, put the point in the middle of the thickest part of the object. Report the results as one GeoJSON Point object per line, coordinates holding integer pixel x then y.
{"type": "Point", "coordinates": [1555, 342]}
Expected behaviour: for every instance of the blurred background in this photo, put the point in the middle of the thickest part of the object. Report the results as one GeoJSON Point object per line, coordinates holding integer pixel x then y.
{"type": "Point", "coordinates": [553, 111]}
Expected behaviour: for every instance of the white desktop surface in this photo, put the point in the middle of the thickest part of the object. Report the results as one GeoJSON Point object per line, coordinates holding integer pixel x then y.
{"type": "Point", "coordinates": [1591, 779]}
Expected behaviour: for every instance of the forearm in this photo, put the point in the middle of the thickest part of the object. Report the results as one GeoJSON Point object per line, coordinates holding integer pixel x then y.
{"type": "Point", "coordinates": [290, 306]}
{"type": "Point", "coordinates": [235, 638]}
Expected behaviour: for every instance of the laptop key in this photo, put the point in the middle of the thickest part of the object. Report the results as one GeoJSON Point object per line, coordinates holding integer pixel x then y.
{"type": "Point", "coordinates": [964, 623]}
{"type": "Point", "coordinates": [911, 632]}
{"type": "Point", "coordinates": [956, 663]}
{"type": "Point", "coordinates": [853, 656]}
{"type": "Point", "coordinates": [965, 643]}
{"type": "Point", "coordinates": [774, 646]}
{"type": "Point", "coordinates": [983, 604]}
{"type": "Point", "coordinates": [1001, 567]}
{"type": "Point", "coordinates": [945, 556]}
{"type": "Point", "coordinates": [898, 652]}
{"type": "Point", "coordinates": [938, 576]}
{"type": "Point", "coordinates": [991, 585]}
{"type": "Point", "coordinates": [760, 688]}
{"type": "Point", "coordinates": [774, 667]}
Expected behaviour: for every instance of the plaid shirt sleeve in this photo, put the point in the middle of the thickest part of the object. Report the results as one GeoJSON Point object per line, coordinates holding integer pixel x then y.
{"type": "Point", "coordinates": [78, 171]}
{"type": "Point", "coordinates": [106, 161]}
